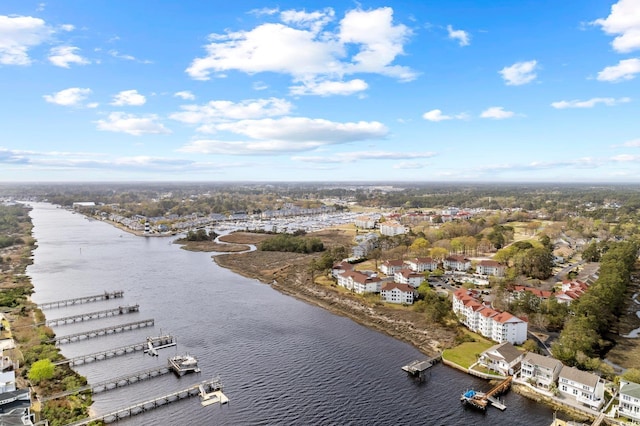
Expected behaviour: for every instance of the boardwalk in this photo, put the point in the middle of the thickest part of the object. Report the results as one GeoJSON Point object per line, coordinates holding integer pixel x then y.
{"type": "Point", "coordinates": [120, 310]}
{"type": "Point", "coordinates": [86, 299]}
{"type": "Point", "coordinates": [102, 331]}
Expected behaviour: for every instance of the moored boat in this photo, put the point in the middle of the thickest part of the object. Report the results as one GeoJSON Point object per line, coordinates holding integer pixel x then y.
{"type": "Point", "coordinates": [183, 364]}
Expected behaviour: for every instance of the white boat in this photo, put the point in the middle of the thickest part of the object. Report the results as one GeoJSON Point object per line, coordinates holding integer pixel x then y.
{"type": "Point", "coordinates": [183, 364]}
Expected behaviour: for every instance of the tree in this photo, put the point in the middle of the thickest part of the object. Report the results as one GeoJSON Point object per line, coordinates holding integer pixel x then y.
{"type": "Point", "coordinates": [632, 375]}
{"type": "Point", "coordinates": [41, 370]}
{"type": "Point", "coordinates": [420, 247]}
{"type": "Point", "coordinates": [591, 253]}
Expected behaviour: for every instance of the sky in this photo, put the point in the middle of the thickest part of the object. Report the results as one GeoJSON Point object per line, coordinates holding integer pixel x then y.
{"type": "Point", "coordinates": [402, 91]}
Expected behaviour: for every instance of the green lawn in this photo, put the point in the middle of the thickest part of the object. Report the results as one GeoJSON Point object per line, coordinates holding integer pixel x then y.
{"type": "Point", "coordinates": [466, 353]}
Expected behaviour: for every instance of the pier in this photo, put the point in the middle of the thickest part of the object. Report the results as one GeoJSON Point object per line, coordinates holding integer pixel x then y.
{"type": "Point", "coordinates": [120, 310]}
{"type": "Point", "coordinates": [481, 400]}
{"type": "Point", "coordinates": [417, 368]}
{"type": "Point", "coordinates": [209, 387]}
{"type": "Point", "coordinates": [78, 300]}
{"type": "Point", "coordinates": [102, 331]}
{"type": "Point", "coordinates": [114, 383]}
{"type": "Point", "coordinates": [159, 342]}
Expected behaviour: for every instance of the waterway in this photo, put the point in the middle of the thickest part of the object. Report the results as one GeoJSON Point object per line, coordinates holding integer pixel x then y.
{"type": "Point", "coordinates": [282, 361]}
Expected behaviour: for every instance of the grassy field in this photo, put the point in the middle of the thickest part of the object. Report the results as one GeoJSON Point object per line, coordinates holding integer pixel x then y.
{"type": "Point", "coordinates": [467, 353]}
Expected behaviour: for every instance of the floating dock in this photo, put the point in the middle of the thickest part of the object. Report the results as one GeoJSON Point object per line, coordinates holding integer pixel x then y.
{"type": "Point", "coordinates": [159, 342]}
{"type": "Point", "coordinates": [480, 400]}
{"type": "Point", "coordinates": [78, 300]}
{"type": "Point", "coordinates": [208, 387]}
{"type": "Point", "coordinates": [120, 310]}
{"type": "Point", "coordinates": [114, 383]}
{"type": "Point", "coordinates": [120, 328]}
{"type": "Point", "coordinates": [417, 368]}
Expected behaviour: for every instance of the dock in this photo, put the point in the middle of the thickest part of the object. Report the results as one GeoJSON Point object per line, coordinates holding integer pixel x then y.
{"type": "Point", "coordinates": [114, 383]}
{"type": "Point", "coordinates": [417, 368]}
{"type": "Point", "coordinates": [78, 300]}
{"type": "Point", "coordinates": [102, 331]}
{"type": "Point", "coordinates": [480, 400]}
{"type": "Point", "coordinates": [120, 310]}
{"type": "Point", "coordinates": [159, 342]}
{"type": "Point", "coordinates": [208, 387]}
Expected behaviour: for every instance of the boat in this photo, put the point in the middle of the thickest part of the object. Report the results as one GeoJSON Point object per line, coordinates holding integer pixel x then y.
{"type": "Point", "coordinates": [475, 399]}
{"type": "Point", "coordinates": [183, 364]}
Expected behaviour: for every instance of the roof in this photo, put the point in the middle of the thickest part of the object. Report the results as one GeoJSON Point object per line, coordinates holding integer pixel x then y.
{"type": "Point", "coordinates": [507, 351]}
{"type": "Point", "coordinates": [490, 263]}
{"type": "Point", "coordinates": [541, 360]}
{"type": "Point", "coordinates": [397, 262]}
{"type": "Point", "coordinates": [406, 288]}
{"type": "Point", "coordinates": [457, 258]}
{"type": "Point", "coordinates": [418, 260]}
{"type": "Point", "coordinates": [579, 376]}
{"type": "Point", "coordinates": [630, 388]}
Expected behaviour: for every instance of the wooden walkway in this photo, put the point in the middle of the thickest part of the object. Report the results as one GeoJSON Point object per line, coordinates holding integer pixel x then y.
{"type": "Point", "coordinates": [78, 300]}
{"type": "Point", "coordinates": [481, 400]}
{"type": "Point", "coordinates": [208, 387]}
{"type": "Point", "coordinates": [418, 368]}
{"type": "Point", "coordinates": [120, 310]}
{"type": "Point", "coordinates": [102, 331]}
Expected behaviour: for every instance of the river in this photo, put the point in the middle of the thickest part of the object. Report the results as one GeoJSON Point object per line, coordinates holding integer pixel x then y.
{"type": "Point", "coordinates": [281, 361]}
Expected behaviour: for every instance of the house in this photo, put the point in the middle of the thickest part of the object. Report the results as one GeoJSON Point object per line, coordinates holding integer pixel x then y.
{"type": "Point", "coordinates": [490, 267]}
{"type": "Point", "coordinates": [392, 228]}
{"type": "Point", "coordinates": [479, 318]}
{"type": "Point", "coordinates": [397, 293]}
{"type": "Point", "coordinates": [421, 264]}
{"type": "Point", "coordinates": [540, 370]}
{"type": "Point", "coordinates": [359, 282]}
{"type": "Point", "coordinates": [571, 290]}
{"type": "Point", "coordinates": [390, 267]}
{"type": "Point", "coordinates": [503, 358]}
{"type": "Point", "coordinates": [340, 267]}
{"type": "Point", "coordinates": [629, 398]}
{"type": "Point", "coordinates": [457, 263]}
{"type": "Point", "coordinates": [365, 222]}
{"type": "Point", "coordinates": [586, 388]}
{"type": "Point", "coordinates": [407, 276]}
{"type": "Point", "coordinates": [15, 408]}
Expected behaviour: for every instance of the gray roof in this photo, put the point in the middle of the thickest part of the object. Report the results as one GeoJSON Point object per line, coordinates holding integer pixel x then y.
{"type": "Point", "coordinates": [630, 388]}
{"type": "Point", "coordinates": [542, 361]}
{"type": "Point", "coordinates": [507, 351]}
{"type": "Point", "coordinates": [579, 376]}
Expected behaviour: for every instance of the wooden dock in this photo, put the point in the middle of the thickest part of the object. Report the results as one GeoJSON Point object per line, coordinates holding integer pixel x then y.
{"type": "Point", "coordinates": [481, 400]}
{"type": "Point", "coordinates": [78, 300]}
{"type": "Point", "coordinates": [159, 342]}
{"type": "Point", "coordinates": [208, 387]}
{"type": "Point", "coordinates": [417, 368]}
{"type": "Point", "coordinates": [102, 331]}
{"type": "Point", "coordinates": [114, 383]}
{"type": "Point", "coordinates": [120, 310]}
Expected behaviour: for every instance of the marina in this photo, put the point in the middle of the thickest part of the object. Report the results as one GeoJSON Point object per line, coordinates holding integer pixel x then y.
{"type": "Point", "coordinates": [79, 300]}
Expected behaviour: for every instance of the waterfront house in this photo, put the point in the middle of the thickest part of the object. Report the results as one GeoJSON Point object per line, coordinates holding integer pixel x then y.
{"type": "Point", "coordinates": [421, 264]}
{"type": "Point", "coordinates": [340, 268]}
{"type": "Point", "coordinates": [490, 267]}
{"type": "Point", "coordinates": [503, 358]}
{"type": "Point", "coordinates": [540, 370]}
{"type": "Point", "coordinates": [397, 293]}
{"type": "Point", "coordinates": [359, 282]}
{"type": "Point", "coordinates": [479, 318]}
{"type": "Point", "coordinates": [457, 263]}
{"type": "Point", "coordinates": [586, 388]}
{"type": "Point", "coordinates": [407, 276]}
{"type": "Point", "coordinates": [629, 397]}
{"type": "Point", "coordinates": [390, 267]}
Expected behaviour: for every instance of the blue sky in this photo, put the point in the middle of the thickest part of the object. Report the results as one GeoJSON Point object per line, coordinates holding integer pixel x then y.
{"type": "Point", "coordinates": [456, 90]}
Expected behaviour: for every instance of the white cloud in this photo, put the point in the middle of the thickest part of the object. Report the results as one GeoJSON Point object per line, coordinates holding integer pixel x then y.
{"type": "Point", "coordinates": [260, 85]}
{"type": "Point", "coordinates": [327, 88]}
{"type": "Point", "coordinates": [519, 73]}
{"type": "Point", "coordinates": [625, 70]}
{"type": "Point", "coordinates": [284, 135]}
{"type": "Point", "coordinates": [72, 96]}
{"type": "Point", "coordinates": [303, 47]}
{"type": "Point", "coordinates": [625, 158]}
{"type": "Point", "coordinates": [67, 27]}
{"type": "Point", "coordinates": [623, 21]}
{"type": "Point", "coordinates": [409, 165]}
{"type": "Point", "coordinates": [129, 97]}
{"type": "Point", "coordinates": [62, 56]}
{"type": "Point", "coordinates": [463, 37]}
{"type": "Point", "coordinates": [496, 113]}
{"type": "Point", "coordinates": [218, 111]}
{"type": "Point", "coordinates": [185, 94]}
{"type": "Point", "coordinates": [633, 143]}
{"type": "Point", "coordinates": [126, 57]}
{"type": "Point", "coordinates": [132, 124]}
{"type": "Point", "coordinates": [17, 35]}
{"type": "Point", "coordinates": [351, 157]}
{"type": "Point", "coordinates": [437, 115]}
{"type": "Point", "coordinates": [590, 103]}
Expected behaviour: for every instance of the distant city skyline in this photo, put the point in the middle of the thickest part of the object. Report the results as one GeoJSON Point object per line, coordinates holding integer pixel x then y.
{"type": "Point", "coordinates": [459, 91]}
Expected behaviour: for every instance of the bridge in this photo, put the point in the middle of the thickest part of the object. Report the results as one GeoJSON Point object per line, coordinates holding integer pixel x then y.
{"type": "Point", "coordinates": [78, 300]}
{"type": "Point", "coordinates": [102, 331]}
{"type": "Point", "coordinates": [159, 342]}
{"type": "Point", "coordinates": [208, 387]}
{"type": "Point", "coordinates": [120, 310]}
{"type": "Point", "coordinates": [114, 383]}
